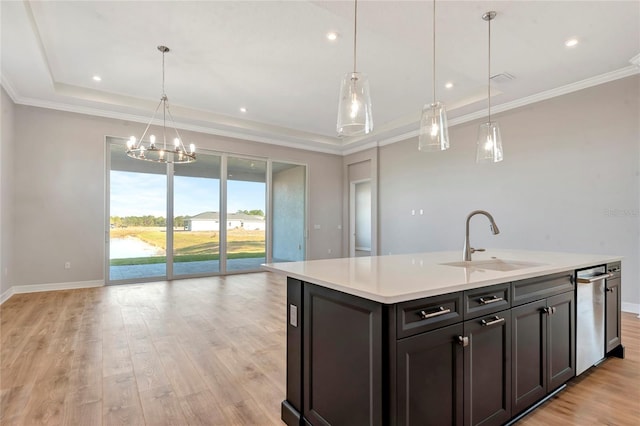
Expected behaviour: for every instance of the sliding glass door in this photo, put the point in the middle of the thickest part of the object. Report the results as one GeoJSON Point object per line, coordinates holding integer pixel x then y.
{"type": "Point", "coordinates": [196, 216]}
{"type": "Point", "coordinates": [137, 218]}
{"type": "Point", "coordinates": [206, 218]}
{"type": "Point", "coordinates": [246, 220]}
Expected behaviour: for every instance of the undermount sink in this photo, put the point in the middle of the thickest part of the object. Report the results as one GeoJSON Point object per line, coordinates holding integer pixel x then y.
{"type": "Point", "coordinates": [494, 264]}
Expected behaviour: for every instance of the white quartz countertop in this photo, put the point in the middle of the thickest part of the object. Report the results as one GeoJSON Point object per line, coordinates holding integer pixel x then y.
{"type": "Point", "coordinates": [398, 278]}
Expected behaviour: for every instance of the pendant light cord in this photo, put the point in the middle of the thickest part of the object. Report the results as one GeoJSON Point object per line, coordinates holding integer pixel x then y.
{"type": "Point", "coordinates": [434, 51]}
{"type": "Point", "coordinates": [489, 72]}
{"type": "Point", "coordinates": [164, 107]}
{"type": "Point", "coordinates": [355, 32]}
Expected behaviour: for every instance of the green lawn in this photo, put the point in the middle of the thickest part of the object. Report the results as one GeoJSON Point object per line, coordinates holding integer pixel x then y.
{"type": "Point", "coordinates": [193, 246]}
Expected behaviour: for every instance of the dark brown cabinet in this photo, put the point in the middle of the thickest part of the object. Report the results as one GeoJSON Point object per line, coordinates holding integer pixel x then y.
{"type": "Point", "coordinates": [487, 370]}
{"type": "Point", "coordinates": [543, 348]}
{"type": "Point", "coordinates": [342, 365]}
{"type": "Point", "coordinates": [430, 378]}
{"type": "Point", "coordinates": [476, 357]}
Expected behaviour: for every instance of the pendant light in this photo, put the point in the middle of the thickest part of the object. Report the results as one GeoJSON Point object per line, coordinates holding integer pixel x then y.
{"type": "Point", "coordinates": [354, 107]}
{"type": "Point", "coordinates": [489, 145]}
{"type": "Point", "coordinates": [434, 134]}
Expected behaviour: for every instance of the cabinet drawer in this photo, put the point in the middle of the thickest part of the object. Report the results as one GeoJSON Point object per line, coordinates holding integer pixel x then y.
{"type": "Point", "coordinates": [486, 300]}
{"type": "Point", "coordinates": [417, 316]}
{"type": "Point", "coordinates": [537, 288]}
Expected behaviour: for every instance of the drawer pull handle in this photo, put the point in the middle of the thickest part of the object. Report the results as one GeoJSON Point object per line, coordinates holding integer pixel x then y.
{"type": "Point", "coordinates": [492, 299]}
{"type": "Point", "coordinates": [494, 321]}
{"type": "Point", "coordinates": [441, 311]}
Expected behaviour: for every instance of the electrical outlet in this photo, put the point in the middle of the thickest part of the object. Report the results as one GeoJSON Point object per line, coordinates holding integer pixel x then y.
{"type": "Point", "coordinates": [413, 212]}
{"type": "Point", "coordinates": [316, 226]}
{"type": "Point", "coordinates": [421, 212]}
{"type": "Point", "coordinates": [67, 265]}
{"type": "Point", "coordinates": [329, 251]}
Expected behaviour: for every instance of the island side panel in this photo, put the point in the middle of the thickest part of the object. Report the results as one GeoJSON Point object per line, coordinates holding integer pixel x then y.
{"type": "Point", "coordinates": [342, 362]}
{"type": "Point", "coordinates": [292, 406]}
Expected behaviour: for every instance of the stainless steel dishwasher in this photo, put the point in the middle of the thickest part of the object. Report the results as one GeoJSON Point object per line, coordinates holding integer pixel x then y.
{"type": "Point", "coordinates": [590, 340]}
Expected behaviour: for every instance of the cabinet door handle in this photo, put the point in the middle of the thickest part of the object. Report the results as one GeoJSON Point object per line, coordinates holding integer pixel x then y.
{"type": "Point", "coordinates": [463, 341]}
{"type": "Point", "coordinates": [492, 299]}
{"type": "Point", "coordinates": [546, 311]}
{"type": "Point", "coordinates": [494, 321]}
{"type": "Point", "coordinates": [611, 289]}
{"type": "Point", "coordinates": [441, 311]}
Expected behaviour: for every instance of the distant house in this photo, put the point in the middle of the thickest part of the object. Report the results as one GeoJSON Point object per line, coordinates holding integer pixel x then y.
{"type": "Point", "coordinates": [210, 221]}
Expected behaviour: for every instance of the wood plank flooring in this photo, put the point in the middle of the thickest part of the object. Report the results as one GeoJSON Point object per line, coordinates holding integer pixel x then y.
{"type": "Point", "coordinates": [207, 351]}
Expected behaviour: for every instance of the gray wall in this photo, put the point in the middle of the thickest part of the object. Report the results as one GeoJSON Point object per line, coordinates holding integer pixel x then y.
{"type": "Point", "coordinates": [288, 213]}
{"type": "Point", "coordinates": [569, 182]}
{"type": "Point", "coordinates": [59, 192]}
{"type": "Point", "coordinates": [6, 190]}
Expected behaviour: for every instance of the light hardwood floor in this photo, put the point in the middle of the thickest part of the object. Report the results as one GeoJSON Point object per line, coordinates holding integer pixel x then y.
{"type": "Point", "coordinates": [203, 351]}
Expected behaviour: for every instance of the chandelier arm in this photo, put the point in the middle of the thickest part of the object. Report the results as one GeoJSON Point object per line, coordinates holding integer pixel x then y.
{"type": "Point", "coordinates": [184, 148]}
{"type": "Point", "coordinates": [175, 128]}
{"type": "Point", "coordinates": [149, 124]}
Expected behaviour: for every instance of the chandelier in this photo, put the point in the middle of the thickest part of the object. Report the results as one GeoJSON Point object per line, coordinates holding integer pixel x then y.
{"type": "Point", "coordinates": [161, 151]}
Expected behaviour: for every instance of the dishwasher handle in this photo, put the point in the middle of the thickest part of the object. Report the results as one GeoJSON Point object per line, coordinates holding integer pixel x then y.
{"type": "Point", "coordinates": [587, 280]}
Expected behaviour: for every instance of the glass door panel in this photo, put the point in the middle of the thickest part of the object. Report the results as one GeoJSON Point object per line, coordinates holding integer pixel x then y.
{"type": "Point", "coordinates": [196, 216]}
{"type": "Point", "coordinates": [245, 218]}
{"type": "Point", "coordinates": [288, 183]}
{"type": "Point", "coordinates": [137, 213]}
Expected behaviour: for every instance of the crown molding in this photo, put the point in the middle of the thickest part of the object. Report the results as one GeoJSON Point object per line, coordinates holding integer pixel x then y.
{"type": "Point", "coordinates": [279, 140]}
{"type": "Point", "coordinates": [359, 148]}
{"type": "Point", "coordinates": [548, 94]}
{"type": "Point", "coordinates": [341, 147]}
{"type": "Point", "coordinates": [8, 87]}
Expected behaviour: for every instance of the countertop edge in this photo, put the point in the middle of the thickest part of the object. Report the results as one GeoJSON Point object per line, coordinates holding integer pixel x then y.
{"type": "Point", "coordinates": [447, 288]}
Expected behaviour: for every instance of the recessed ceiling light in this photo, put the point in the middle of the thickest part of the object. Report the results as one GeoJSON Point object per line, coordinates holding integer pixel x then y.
{"type": "Point", "coordinates": [448, 85]}
{"type": "Point", "coordinates": [243, 109]}
{"type": "Point", "coordinates": [571, 42]}
{"type": "Point", "coordinates": [97, 78]}
{"type": "Point", "coordinates": [332, 36]}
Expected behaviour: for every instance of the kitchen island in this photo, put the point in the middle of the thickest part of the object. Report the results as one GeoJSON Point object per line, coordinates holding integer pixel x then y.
{"type": "Point", "coordinates": [428, 339]}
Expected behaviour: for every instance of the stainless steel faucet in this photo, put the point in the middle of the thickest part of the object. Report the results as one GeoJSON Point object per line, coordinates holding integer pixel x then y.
{"type": "Point", "coordinates": [468, 250]}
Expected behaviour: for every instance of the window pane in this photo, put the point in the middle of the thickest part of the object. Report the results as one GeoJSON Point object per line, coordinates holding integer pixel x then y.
{"type": "Point", "coordinates": [196, 232]}
{"type": "Point", "coordinates": [246, 221]}
{"type": "Point", "coordinates": [138, 201]}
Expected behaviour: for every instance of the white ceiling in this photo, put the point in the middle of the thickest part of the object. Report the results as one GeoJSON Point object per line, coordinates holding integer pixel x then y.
{"type": "Point", "coordinates": [273, 58]}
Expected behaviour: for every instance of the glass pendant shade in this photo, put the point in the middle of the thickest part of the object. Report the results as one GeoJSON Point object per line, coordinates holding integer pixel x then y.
{"type": "Point", "coordinates": [354, 107]}
{"type": "Point", "coordinates": [489, 145]}
{"type": "Point", "coordinates": [434, 132]}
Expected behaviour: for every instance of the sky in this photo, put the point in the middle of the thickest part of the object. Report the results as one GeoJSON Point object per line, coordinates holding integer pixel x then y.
{"type": "Point", "coordinates": [141, 194]}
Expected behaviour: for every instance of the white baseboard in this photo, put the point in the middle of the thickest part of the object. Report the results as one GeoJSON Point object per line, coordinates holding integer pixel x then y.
{"type": "Point", "coordinates": [6, 295]}
{"type": "Point", "coordinates": [35, 288]}
{"type": "Point", "coordinates": [634, 308]}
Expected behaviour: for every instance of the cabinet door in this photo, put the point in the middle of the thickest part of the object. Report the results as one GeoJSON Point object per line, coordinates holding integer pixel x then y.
{"type": "Point", "coordinates": [612, 315]}
{"type": "Point", "coordinates": [561, 353]}
{"type": "Point", "coordinates": [487, 366]}
{"type": "Point", "coordinates": [342, 361]}
{"type": "Point", "coordinates": [528, 355]}
{"type": "Point", "coordinates": [430, 378]}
